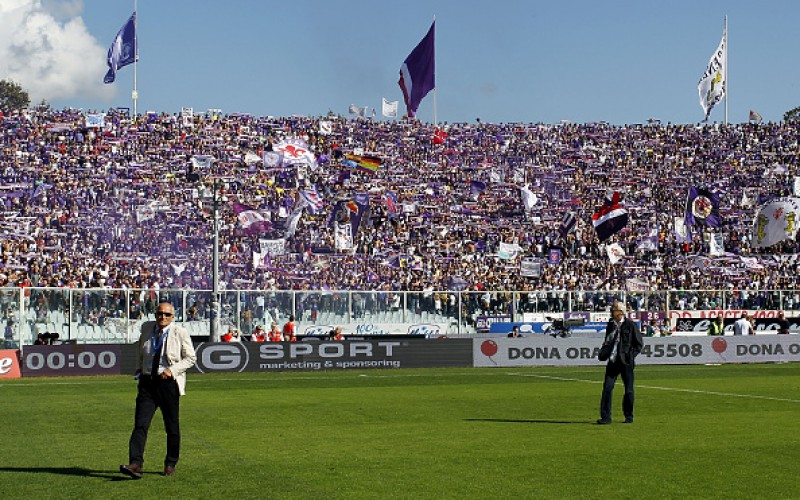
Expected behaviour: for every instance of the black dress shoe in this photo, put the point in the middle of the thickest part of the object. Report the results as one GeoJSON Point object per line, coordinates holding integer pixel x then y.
{"type": "Point", "coordinates": [169, 470]}
{"type": "Point", "coordinates": [603, 421]}
{"type": "Point", "coordinates": [133, 471]}
{"type": "Point", "coordinates": [629, 420]}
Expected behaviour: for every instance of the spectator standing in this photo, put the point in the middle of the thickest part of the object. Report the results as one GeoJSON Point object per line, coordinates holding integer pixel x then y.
{"type": "Point", "coordinates": [716, 327]}
{"type": "Point", "coordinates": [289, 329]}
{"type": "Point", "coordinates": [783, 324]}
{"type": "Point", "coordinates": [742, 326]}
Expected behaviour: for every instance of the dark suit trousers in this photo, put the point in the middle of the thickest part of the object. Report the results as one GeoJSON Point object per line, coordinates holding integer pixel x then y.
{"type": "Point", "coordinates": [156, 393]}
{"type": "Point", "coordinates": [613, 370]}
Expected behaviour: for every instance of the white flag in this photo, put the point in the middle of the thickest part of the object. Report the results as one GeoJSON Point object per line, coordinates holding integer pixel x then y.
{"type": "Point", "coordinates": [359, 111]}
{"type": "Point", "coordinates": [251, 158]}
{"type": "Point", "coordinates": [325, 127]}
{"type": "Point", "coordinates": [716, 244]}
{"type": "Point", "coordinates": [681, 230]}
{"type": "Point", "coordinates": [343, 236]}
{"type": "Point", "coordinates": [96, 120]}
{"type": "Point", "coordinates": [615, 253]}
{"type": "Point", "coordinates": [776, 221]}
{"type": "Point", "coordinates": [202, 162]}
{"type": "Point", "coordinates": [389, 108]}
{"type": "Point", "coordinates": [712, 85]}
{"type": "Point", "coordinates": [508, 251]}
{"type": "Point", "coordinates": [529, 199]}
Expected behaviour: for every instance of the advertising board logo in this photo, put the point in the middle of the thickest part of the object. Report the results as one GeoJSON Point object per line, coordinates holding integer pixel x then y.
{"type": "Point", "coordinates": [719, 345]}
{"type": "Point", "coordinates": [232, 357]}
{"type": "Point", "coordinates": [489, 348]}
{"type": "Point", "coordinates": [9, 367]}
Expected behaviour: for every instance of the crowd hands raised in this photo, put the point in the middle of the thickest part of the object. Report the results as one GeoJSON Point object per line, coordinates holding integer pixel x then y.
{"type": "Point", "coordinates": [72, 195]}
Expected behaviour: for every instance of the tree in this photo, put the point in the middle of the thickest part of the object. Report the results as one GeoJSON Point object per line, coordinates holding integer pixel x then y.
{"type": "Point", "coordinates": [793, 115]}
{"type": "Point", "coordinates": [12, 96]}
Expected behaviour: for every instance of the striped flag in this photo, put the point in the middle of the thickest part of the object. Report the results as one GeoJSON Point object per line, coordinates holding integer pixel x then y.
{"type": "Point", "coordinates": [367, 164]}
{"type": "Point", "coordinates": [610, 218]}
{"type": "Point", "coordinates": [568, 223]}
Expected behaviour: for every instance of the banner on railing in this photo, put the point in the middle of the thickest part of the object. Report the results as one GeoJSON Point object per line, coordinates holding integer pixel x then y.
{"type": "Point", "coordinates": [546, 327]}
{"type": "Point", "coordinates": [426, 330]}
{"type": "Point", "coordinates": [700, 326]}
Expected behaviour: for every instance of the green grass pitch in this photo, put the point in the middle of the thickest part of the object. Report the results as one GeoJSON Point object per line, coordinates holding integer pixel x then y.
{"type": "Point", "coordinates": [701, 432]}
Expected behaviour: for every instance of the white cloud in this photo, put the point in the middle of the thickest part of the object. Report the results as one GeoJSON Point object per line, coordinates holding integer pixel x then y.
{"type": "Point", "coordinates": [47, 49]}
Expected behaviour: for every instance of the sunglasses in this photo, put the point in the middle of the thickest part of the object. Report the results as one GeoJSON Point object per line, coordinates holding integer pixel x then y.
{"type": "Point", "coordinates": [164, 314]}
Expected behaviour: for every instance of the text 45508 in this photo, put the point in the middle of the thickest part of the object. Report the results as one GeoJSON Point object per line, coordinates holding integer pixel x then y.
{"type": "Point", "coordinates": [672, 350]}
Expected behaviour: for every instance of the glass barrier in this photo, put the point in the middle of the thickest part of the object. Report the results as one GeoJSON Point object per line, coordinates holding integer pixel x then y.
{"type": "Point", "coordinates": [45, 315]}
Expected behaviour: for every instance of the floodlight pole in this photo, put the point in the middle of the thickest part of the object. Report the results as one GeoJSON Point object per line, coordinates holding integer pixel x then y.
{"type": "Point", "coordinates": [215, 302]}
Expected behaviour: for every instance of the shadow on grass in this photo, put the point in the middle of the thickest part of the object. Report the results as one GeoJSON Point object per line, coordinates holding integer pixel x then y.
{"type": "Point", "coordinates": [69, 471]}
{"type": "Point", "coordinates": [528, 421]}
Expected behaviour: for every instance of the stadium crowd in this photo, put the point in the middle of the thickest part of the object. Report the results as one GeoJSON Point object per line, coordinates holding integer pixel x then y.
{"type": "Point", "coordinates": [121, 206]}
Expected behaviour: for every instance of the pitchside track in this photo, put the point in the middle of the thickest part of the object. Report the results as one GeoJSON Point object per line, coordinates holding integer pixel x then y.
{"type": "Point", "coordinates": [701, 431]}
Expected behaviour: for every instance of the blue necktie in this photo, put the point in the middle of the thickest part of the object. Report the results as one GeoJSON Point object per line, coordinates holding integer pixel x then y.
{"type": "Point", "coordinates": [156, 354]}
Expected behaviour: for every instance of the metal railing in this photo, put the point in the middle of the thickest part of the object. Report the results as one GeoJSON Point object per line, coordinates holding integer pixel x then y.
{"type": "Point", "coordinates": [114, 315]}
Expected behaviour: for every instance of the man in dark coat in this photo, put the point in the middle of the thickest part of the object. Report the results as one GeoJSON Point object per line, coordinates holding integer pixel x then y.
{"type": "Point", "coordinates": [626, 339]}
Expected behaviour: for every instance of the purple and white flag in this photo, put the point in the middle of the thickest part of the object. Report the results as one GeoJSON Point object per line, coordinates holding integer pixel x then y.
{"type": "Point", "coordinates": [418, 72]}
{"type": "Point", "coordinates": [295, 152]}
{"type": "Point", "coordinates": [313, 199]}
{"type": "Point", "coordinates": [123, 50]}
{"type": "Point", "coordinates": [568, 223]}
{"type": "Point", "coordinates": [252, 221]}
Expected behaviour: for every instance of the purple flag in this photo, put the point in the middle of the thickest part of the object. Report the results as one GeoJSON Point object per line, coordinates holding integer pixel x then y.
{"type": "Point", "coordinates": [123, 50]}
{"type": "Point", "coordinates": [476, 189]}
{"type": "Point", "coordinates": [702, 207]}
{"type": "Point", "coordinates": [418, 72]}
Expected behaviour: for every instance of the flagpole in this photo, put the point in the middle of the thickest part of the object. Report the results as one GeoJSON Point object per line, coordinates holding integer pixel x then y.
{"type": "Point", "coordinates": [435, 123]}
{"type": "Point", "coordinates": [135, 94]}
{"type": "Point", "coordinates": [726, 70]}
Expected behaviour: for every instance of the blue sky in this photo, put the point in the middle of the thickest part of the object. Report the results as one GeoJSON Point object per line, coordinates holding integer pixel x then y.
{"type": "Point", "coordinates": [504, 61]}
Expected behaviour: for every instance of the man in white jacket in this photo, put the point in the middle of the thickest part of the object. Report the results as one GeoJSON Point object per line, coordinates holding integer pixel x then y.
{"type": "Point", "coordinates": [164, 353]}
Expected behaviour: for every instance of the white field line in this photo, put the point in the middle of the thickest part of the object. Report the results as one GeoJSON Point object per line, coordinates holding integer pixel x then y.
{"type": "Point", "coordinates": [660, 388]}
